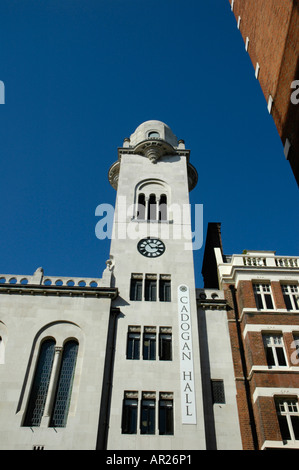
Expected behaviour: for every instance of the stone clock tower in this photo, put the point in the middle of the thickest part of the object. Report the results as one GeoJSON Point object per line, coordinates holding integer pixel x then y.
{"type": "Point", "coordinates": [156, 395]}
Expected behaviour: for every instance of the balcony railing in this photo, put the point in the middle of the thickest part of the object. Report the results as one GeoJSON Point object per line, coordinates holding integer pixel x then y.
{"type": "Point", "coordinates": [254, 261]}
{"type": "Point", "coordinates": [267, 261]}
{"type": "Point", "coordinates": [49, 281]}
{"type": "Point", "coordinates": [287, 262]}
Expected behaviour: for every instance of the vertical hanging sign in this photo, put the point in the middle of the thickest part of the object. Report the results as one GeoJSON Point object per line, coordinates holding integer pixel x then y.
{"type": "Point", "coordinates": [186, 357]}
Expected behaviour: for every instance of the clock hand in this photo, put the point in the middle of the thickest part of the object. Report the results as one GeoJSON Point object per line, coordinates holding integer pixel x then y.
{"type": "Point", "coordinates": [149, 249]}
{"type": "Point", "coordinates": [153, 245]}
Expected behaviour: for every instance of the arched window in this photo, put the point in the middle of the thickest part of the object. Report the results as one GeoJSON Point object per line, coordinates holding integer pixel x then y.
{"type": "Point", "coordinates": [53, 378]}
{"type": "Point", "coordinates": [152, 199]}
{"type": "Point", "coordinates": [154, 134]}
{"type": "Point", "coordinates": [152, 208]}
{"type": "Point", "coordinates": [163, 207]}
{"type": "Point", "coordinates": [141, 207]}
{"type": "Point", "coordinates": [40, 384]}
{"type": "Point", "coordinates": [3, 341]}
{"type": "Point", "coordinates": [2, 351]}
{"type": "Point", "coordinates": [64, 386]}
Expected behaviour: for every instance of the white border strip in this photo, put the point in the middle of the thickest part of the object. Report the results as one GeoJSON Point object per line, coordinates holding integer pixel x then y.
{"type": "Point", "coordinates": [186, 357]}
{"type": "Point", "coordinates": [260, 327]}
{"type": "Point", "coordinates": [272, 391]}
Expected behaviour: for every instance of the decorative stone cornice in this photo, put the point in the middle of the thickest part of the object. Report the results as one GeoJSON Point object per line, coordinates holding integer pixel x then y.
{"type": "Point", "coordinates": [113, 174]}
{"type": "Point", "coordinates": [210, 299]}
{"type": "Point", "coordinates": [153, 149]}
{"type": "Point", "coordinates": [192, 176]}
{"type": "Point", "coordinates": [212, 304]}
{"type": "Point", "coordinates": [74, 291]}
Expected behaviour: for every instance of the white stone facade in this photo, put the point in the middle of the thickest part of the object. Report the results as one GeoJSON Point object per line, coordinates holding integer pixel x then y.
{"type": "Point", "coordinates": [29, 314]}
{"type": "Point", "coordinates": [144, 398]}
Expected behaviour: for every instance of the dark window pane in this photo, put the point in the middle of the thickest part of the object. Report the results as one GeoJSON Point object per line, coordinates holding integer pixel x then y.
{"type": "Point", "coordinates": [133, 346]}
{"type": "Point", "coordinates": [141, 207]}
{"type": "Point", "coordinates": [295, 424]}
{"type": "Point", "coordinates": [280, 357]}
{"type": "Point", "coordinates": [163, 208]}
{"type": "Point", "coordinates": [136, 289]}
{"type": "Point", "coordinates": [150, 290]}
{"type": "Point", "coordinates": [287, 301]}
{"type": "Point", "coordinates": [258, 300]}
{"type": "Point", "coordinates": [129, 419]}
{"type": "Point", "coordinates": [152, 208]}
{"type": "Point", "coordinates": [147, 425]}
{"type": "Point", "coordinates": [149, 346]}
{"type": "Point", "coordinates": [40, 385]}
{"type": "Point", "coordinates": [270, 357]}
{"type": "Point", "coordinates": [165, 352]}
{"type": "Point", "coordinates": [166, 417]}
{"type": "Point", "coordinates": [268, 299]}
{"type": "Point", "coordinates": [164, 291]}
{"type": "Point", "coordinates": [284, 428]}
{"type": "Point", "coordinates": [65, 384]}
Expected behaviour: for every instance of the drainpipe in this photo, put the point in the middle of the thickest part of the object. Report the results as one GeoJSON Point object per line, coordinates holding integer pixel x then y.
{"type": "Point", "coordinates": [244, 368]}
{"type": "Point", "coordinates": [107, 382]}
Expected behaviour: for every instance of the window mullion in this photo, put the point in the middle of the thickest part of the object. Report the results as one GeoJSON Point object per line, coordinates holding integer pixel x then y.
{"type": "Point", "coordinates": [53, 382]}
{"type": "Point", "coordinates": [289, 421]}
{"type": "Point", "coordinates": [275, 355]}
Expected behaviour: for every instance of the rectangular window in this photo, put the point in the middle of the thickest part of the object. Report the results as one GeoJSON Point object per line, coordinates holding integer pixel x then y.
{"type": "Point", "coordinates": [274, 349]}
{"type": "Point", "coordinates": [165, 344]}
{"type": "Point", "coordinates": [164, 289]}
{"type": "Point", "coordinates": [150, 290]}
{"type": "Point", "coordinates": [257, 69]}
{"type": "Point", "coordinates": [165, 414]}
{"type": "Point", "coordinates": [148, 411]}
{"type": "Point", "coordinates": [288, 418]}
{"type": "Point", "coordinates": [218, 391]}
{"type": "Point", "coordinates": [149, 344]}
{"type": "Point", "coordinates": [129, 417]}
{"type": "Point", "coordinates": [291, 296]}
{"type": "Point", "coordinates": [247, 44]}
{"type": "Point", "coordinates": [136, 287]}
{"type": "Point", "coordinates": [295, 344]}
{"type": "Point", "coordinates": [133, 342]}
{"type": "Point", "coordinates": [263, 296]}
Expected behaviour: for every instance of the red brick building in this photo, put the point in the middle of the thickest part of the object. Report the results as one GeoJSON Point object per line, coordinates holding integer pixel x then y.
{"type": "Point", "coordinates": [262, 294]}
{"type": "Point", "coordinates": [270, 30]}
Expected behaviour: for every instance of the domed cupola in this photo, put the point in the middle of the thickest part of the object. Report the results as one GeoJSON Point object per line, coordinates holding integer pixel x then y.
{"type": "Point", "coordinates": [153, 140]}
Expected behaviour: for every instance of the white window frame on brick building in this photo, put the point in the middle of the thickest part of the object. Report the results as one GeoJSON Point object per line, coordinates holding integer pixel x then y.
{"type": "Point", "coordinates": [288, 417]}
{"type": "Point", "coordinates": [263, 296]}
{"type": "Point", "coordinates": [275, 350]}
{"type": "Point", "coordinates": [290, 294]}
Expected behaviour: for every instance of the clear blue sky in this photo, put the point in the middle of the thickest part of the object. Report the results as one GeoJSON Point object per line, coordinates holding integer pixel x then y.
{"type": "Point", "coordinates": [80, 76]}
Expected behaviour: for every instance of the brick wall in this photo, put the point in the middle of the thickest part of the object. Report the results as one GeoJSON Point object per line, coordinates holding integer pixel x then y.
{"type": "Point", "coordinates": [240, 375]}
{"type": "Point", "coordinates": [244, 419]}
{"type": "Point", "coordinates": [245, 295]}
{"type": "Point", "coordinates": [273, 30]}
{"type": "Point", "coordinates": [266, 24]}
{"type": "Point", "coordinates": [247, 375]}
{"type": "Point", "coordinates": [277, 294]}
{"type": "Point", "coordinates": [266, 419]}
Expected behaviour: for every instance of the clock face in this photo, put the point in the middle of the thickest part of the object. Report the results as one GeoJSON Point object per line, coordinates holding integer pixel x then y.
{"type": "Point", "coordinates": [151, 247]}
